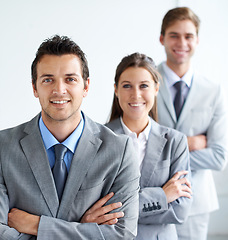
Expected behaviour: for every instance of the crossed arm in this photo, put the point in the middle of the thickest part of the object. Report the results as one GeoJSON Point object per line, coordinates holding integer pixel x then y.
{"type": "Point", "coordinates": [177, 187]}
{"type": "Point", "coordinates": [210, 151]}
{"type": "Point", "coordinates": [100, 213]}
{"type": "Point", "coordinates": [197, 142]}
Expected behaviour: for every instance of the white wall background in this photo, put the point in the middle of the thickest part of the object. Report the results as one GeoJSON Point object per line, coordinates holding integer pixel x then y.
{"type": "Point", "coordinates": [106, 30]}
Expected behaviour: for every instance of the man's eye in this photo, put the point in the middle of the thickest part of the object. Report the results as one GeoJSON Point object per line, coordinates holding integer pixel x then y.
{"type": "Point", "coordinates": [126, 86]}
{"type": "Point", "coordinates": [189, 37]}
{"type": "Point", "coordinates": [70, 79]}
{"type": "Point", "coordinates": [47, 80]}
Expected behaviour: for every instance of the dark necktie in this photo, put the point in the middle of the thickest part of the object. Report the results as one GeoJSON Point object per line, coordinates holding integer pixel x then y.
{"type": "Point", "coordinates": [59, 170]}
{"type": "Point", "coordinates": [179, 98]}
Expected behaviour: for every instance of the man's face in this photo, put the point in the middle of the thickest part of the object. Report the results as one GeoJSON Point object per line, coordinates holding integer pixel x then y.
{"type": "Point", "coordinates": [180, 41]}
{"type": "Point", "coordinates": [60, 88]}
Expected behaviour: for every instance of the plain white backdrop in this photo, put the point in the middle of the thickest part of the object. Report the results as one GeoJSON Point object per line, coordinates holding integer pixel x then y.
{"type": "Point", "coordinates": [106, 30]}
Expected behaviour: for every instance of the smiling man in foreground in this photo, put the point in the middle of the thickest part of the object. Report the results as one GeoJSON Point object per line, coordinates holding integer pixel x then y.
{"type": "Point", "coordinates": [57, 169]}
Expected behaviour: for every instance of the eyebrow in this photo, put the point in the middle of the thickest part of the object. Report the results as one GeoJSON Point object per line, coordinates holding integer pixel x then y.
{"type": "Point", "coordinates": [144, 81]}
{"type": "Point", "coordinates": [172, 33]}
{"type": "Point", "coordinates": [72, 74]}
{"type": "Point", "coordinates": [46, 75]}
{"type": "Point", "coordinates": [175, 33]}
{"type": "Point", "coordinates": [67, 75]}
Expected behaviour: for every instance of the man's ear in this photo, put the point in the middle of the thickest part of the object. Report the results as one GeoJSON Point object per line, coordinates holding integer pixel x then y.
{"type": "Point", "coordinates": [35, 93]}
{"type": "Point", "coordinates": [161, 39]}
{"type": "Point", "coordinates": [197, 40]}
{"type": "Point", "coordinates": [86, 88]}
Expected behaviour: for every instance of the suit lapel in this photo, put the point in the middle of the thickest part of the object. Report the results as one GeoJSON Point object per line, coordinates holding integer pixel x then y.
{"type": "Point", "coordinates": [155, 145]}
{"type": "Point", "coordinates": [116, 126]}
{"type": "Point", "coordinates": [82, 161]}
{"type": "Point", "coordinates": [35, 153]}
{"type": "Point", "coordinates": [164, 93]}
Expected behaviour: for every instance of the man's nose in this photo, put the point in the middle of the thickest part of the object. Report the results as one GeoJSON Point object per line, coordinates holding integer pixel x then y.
{"type": "Point", "coordinates": [182, 41]}
{"type": "Point", "coordinates": [59, 87]}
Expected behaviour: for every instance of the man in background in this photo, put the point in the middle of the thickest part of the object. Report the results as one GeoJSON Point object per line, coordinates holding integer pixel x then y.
{"type": "Point", "coordinates": [195, 106]}
{"type": "Point", "coordinates": [58, 170]}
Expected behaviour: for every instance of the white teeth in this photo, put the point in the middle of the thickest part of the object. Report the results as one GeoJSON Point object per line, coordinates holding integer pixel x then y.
{"type": "Point", "coordinates": [136, 104]}
{"type": "Point", "coordinates": [180, 52]}
{"type": "Point", "coordinates": [59, 102]}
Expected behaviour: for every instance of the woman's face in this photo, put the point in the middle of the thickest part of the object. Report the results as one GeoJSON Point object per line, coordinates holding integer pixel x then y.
{"type": "Point", "coordinates": [136, 92]}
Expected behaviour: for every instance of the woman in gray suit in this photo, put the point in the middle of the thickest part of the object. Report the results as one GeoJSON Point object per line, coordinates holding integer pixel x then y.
{"type": "Point", "coordinates": [165, 189]}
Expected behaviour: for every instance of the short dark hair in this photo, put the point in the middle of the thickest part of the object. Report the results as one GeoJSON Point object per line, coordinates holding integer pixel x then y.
{"type": "Point", "coordinates": [135, 60]}
{"type": "Point", "coordinates": [180, 13]}
{"type": "Point", "coordinates": [59, 45]}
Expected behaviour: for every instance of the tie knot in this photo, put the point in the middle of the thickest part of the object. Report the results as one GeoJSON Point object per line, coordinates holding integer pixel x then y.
{"type": "Point", "coordinates": [60, 151]}
{"type": "Point", "coordinates": [180, 85]}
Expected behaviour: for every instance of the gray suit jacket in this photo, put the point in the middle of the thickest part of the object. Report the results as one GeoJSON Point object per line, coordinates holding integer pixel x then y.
{"type": "Point", "coordinates": [166, 153]}
{"type": "Point", "coordinates": [204, 112]}
{"type": "Point", "coordinates": [102, 163]}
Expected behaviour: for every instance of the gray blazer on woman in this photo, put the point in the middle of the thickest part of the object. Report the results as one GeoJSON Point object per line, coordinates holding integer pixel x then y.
{"type": "Point", "coordinates": [166, 153]}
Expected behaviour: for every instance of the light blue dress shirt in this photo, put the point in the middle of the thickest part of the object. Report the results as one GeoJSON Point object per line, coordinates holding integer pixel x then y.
{"type": "Point", "coordinates": [71, 142]}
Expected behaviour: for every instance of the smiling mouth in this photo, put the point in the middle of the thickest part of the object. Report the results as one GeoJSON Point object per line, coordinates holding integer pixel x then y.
{"type": "Point", "coordinates": [60, 101]}
{"type": "Point", "coordinates": [180, 51]}
{"type": "Point", "coordinates": [136, 104]}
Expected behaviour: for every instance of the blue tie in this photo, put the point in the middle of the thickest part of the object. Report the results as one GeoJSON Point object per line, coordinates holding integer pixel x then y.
{"type": "Point", "coordinates": [179, 98]}
{"type": "Point", "coordinates": [59, 170]}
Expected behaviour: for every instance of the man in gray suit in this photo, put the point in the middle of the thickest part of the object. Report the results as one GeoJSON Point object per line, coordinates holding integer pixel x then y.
{"type": "Point", "coordinates": [56, 167]}
{"type": "Point", "coordinates": [195, 106]}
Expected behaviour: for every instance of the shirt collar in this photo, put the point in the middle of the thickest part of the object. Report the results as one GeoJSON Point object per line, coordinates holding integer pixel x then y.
{"type": "Point", "coordinates": [144, 133]}
{"type": "Point", "coordinates": [71, 142]}
{"type": "Point", "coordinates": [173, 77]}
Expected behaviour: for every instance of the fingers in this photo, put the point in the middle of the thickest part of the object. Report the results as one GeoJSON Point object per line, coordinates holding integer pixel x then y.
{"type": "Point", "coordinates": [186, 189]}
{"type": "Point", "coordinates": [111, 222]}
{"type": "Point", "coordinates": [100, 218]}
{"type": "Point", "coordinates": [177, 186]}
{"type": "Point", "coordinates": [109, 208]}
{"type": "Point", "coordinates": [110, 218]}
{"type": "Point", "coordinates": [182, 184]}
{"type": "Point", "coordinates": [101, 202]}
{"type": "Point", "coordinates": [100, 213]}
{"type": "Point", "coordinates": [177, 175]}
{"type": "Point", "coordinates": [184, 181]}
{"type": "Point", "coordinates": [186, 192]}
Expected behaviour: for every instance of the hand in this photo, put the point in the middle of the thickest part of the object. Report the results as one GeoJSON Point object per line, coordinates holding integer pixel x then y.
{"type": "Point", "coordinates": [177, 187]}
{"type": "Point", "coordinates": [197, 142]}
{"type": "Point", "coordinates": [23, 222]}
{"type": "Point", "coordinates": [98, 212]}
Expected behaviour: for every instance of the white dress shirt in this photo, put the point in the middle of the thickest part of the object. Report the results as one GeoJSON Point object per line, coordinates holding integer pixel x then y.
{"type": "Point", "coordinates": [140, 142]}
{"type": "Point", "coordinates": [173, 78]}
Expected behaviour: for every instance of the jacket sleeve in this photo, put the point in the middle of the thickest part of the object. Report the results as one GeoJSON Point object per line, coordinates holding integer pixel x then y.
{"type": "Point", "coordinates": [125, 187]}
{"type": "Point", "coordinates": [153, 206]}
{"type": "Point", "coordinates": [214, 156]}
{"type": "Point", "coordinates": [7, 233]}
